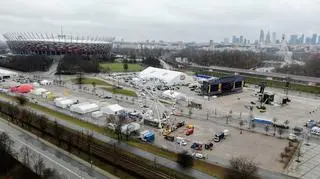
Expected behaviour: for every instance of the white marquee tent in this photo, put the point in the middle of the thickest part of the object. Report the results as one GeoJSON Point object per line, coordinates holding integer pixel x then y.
{"type": "Point", "coordinates": [173, 95]}
{"type": "Point", "coordinates": [111, 109]}
{"type": "Point", "coordinates": [83, 108]}
{"type": "Point", "coordinates": [64, 103]}
{"type": "Point", "coordinates": [169, 77]}
{"type": "Point", "coordinates": [129, 128]}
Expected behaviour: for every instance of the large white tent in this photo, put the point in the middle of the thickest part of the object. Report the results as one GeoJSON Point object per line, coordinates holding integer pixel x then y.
{"type": "Point", "coordinates": [83, 108]}
{"type": "Point", "coordinates": [169, 77]}
{"type": "Point", "coordinates": [173, 95]}
{"type": "Point", "coordinates": [111, 109]}
{"type": "Point", "coordinates": [64, 103]}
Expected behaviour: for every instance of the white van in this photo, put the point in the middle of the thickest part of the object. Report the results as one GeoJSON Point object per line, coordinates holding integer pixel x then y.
{"type": "Point", "coordinates": [181, 141]}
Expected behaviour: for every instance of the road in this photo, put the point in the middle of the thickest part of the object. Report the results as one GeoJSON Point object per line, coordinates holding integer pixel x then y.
{"type": "Point", "coordinates": [67, 165]}
{"type": "Point", "coordinates": [305, 79]}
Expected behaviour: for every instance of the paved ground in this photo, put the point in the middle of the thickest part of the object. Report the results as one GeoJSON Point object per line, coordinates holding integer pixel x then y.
{"type": "Point", "coordinates": [64, 163]}
{"type": "Point", "coordinates": [309, 167]}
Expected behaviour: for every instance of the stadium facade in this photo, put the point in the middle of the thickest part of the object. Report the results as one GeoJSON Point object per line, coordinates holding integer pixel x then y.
{"type": "Point", "coordinates": [39, 43]}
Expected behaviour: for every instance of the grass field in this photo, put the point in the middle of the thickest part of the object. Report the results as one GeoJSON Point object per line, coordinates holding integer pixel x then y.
{"type": "Point", "coordinates": [89, 81]}
{"type": "Point", "coordinates": [125, 92]}
{"type": "Point", "coordinates": [118, 67]}
{"type": "Point", "coordinates": [107, 86]}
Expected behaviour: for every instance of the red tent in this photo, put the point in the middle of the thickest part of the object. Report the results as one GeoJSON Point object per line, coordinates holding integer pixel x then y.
{"type": "Point", "coordinates": [24, 88]}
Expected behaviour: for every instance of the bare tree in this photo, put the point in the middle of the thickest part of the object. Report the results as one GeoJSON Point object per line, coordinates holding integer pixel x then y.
{"type": "Point", "coordinates": [299, 154]}
{"type": "Point", "coordinates": [21, 100]}
{"type": "Point", "coordinates": [241, 123]}
{"type": "Point", "coordinates": [253, 125]}
{"type": "Point", "coordinates": [49, 173]}
{"type": "Point", "coordinates": [39, 166]}
{"type": "Point", "coordinates": [6, 143]}
{"type": "Point", "coordinates": [280, 131]}
{"type": "Point", "coordinates": [94, 84]}
{"type": "Point", "coordinates": [282, 155]}
{"type": "Point", "coordinates": [266, 128]}
{"type": "Point", "coordinates": [25, 153]}
{"type": "Point", "coordinates": [242, 168]}
{"type": "Point", "coordinates": [274, 126]}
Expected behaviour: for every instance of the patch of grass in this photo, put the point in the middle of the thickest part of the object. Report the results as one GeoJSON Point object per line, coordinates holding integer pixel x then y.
{"type": "Point", "coordinates": [118, 67]}
{"type": "Point", "coordinates": [125, 92]}
{"type": "Point", "coordinates": [89, 81]}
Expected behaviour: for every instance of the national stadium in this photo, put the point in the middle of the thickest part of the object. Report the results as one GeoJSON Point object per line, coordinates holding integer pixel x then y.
{"type": "Point", "coordinates": [25, 43]}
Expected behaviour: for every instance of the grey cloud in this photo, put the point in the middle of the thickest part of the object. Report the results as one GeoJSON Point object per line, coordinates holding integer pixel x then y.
{"type": "Point", "coordinates": [188, 20]}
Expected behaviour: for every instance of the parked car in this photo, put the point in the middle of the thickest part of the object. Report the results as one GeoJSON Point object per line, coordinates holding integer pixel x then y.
{"type": "Point", "coordinates": [180, 124]}
{"type": "Point", "coordinates": [196, 146]}
{"type": "Point", "coordinates": [169, 138]}
{"type": "Point", "coordinates": [208, 146]}
{"type": "Point", "coordinates": [181, 141]}
{"type": "Point", "coordinates": [218, 136]}
{"type": "Point", "coordinates": [189, 131]}
{"type": "Point", "coordinates": [297, 130]}
{"type": "Point", "coordinates": [199, 155]}
{"type": "Point", "coordinates": [292, 137]}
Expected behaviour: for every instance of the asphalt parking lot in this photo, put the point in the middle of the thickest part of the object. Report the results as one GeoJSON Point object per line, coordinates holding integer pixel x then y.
{"type": "Point", "coordinates": [265, 150]}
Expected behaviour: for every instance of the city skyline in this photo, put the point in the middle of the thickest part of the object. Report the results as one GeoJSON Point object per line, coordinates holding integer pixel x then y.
{"type": "Point", "coordinates": [161, 20]}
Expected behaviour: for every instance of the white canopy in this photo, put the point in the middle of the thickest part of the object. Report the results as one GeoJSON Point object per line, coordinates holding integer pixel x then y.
{"type": "Point", "coordinates": [173, 95]}
{"type": "Point", "coordinates": [167, 76]}
{"type": "Point", "coordinates": [64, 103]}
{"type": "Point", "coordinates": [84, 108]}
{"type": "Point", "coordinates": [111, 109]}
{"type": "Point", "coordinates": [45, 82]}
{"type": "Point", "coordinates": [97, 114]}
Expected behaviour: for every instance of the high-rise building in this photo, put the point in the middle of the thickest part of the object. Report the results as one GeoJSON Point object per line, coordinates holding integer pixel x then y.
{"type": "Point", "coordinates": [268, 40]}
{"type": "Point", "coordinates": [319, 39]}
{"type": "Point", "coordinates": [226, 40]}
{"type": "Point", "coordinates": [274, 37]}
{"type": "Point", "coordinates": [241, 39]}
{"type": "Point", "coordinates": [301, 39]}
{"type": "Point", "coordinates": [293, 39]}
{"type": "Point", "coordinates": [308, 40]}
{"type": "Point", "coordinates": [234, 38]}
{"type": "Point", "coordinates": [248, 42]}
{"type": "Point", "coordinates": [261, 36]}
{"type": "Point", "coordinates": [245, 41]}
{"type": "Point", "coordinates": [314, 39]}
{"type": "Point", "coordinates": [237, 40]}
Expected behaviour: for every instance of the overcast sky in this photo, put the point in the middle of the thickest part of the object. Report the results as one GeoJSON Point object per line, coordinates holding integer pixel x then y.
{"type": "Point", "coordinates": [187, 20]}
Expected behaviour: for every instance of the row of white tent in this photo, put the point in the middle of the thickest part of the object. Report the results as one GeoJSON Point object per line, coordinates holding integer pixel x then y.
{"type": "Point", "coordinates": [86, 107]}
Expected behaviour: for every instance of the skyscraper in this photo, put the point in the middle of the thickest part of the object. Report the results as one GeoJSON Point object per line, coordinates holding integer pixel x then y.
{"type": "Point", "coordinates": [234, 38]}
{"type": "Point", "coordinates": [293, 39]}
{"type": "Point", "coordinates": [261, 36]}
{"type": "Point", "coordinates": [274, 37]}
{"type": "Point", "coordinates": [241, 39]}
{"type": "Point", "coordinates": [245, 41]}
{"type": "Point", "coordinates": [314, 39]}
{"type": "Point", "coordinates": [319, 39]}
{"type": "Point", "coordinates": [268, 40]}
{"type": "Point", "coordinates": [301, 39]}
{"type": "Point", "coordinates": [226, 40]}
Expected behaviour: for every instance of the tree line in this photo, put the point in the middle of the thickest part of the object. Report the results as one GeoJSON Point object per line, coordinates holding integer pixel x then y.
{"type": "Point", "coordinates": [71, 64]}
{"type": "Point", "coordinates": [227, 58]}
{"type": "Point", "coordinates": [28, 63]}
{"type": "Point", "coordinates": [310, 68]}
